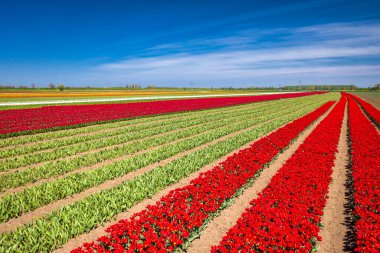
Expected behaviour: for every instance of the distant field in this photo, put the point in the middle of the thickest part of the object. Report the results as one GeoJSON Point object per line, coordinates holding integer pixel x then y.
{"type": "Point", "coordinates": [94, 96]}
{"type": "Point", "coordinates": [11, 94]}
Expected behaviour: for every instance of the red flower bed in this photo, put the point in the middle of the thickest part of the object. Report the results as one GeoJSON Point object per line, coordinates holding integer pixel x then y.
{"type": "Point", "coordinates": [370, 109]}
{"type": "Point", "coordinates": [285, 216]}
{"type": "Point", "coordinates": [19, 120]}
{"type": "Point", "coordinates": [365, 145]}
{"type": "Point", "coordinates": [169, 223]}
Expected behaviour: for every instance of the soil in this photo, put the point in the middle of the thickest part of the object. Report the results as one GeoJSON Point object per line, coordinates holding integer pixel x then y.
{"type": "Point", "coordinates": [333, 220]}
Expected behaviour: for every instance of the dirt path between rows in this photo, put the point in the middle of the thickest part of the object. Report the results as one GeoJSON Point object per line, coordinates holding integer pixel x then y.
{"type": "Point", "coordinates": [45, 210]}
{"type": "Point", "coordinates": [100, 230]}
{"type": "Point", "coordinates": [220, 225]}
{"type": "Point", "coordinates": [117, 159]}
{"type": "Point", "coordinates": [333, 220]}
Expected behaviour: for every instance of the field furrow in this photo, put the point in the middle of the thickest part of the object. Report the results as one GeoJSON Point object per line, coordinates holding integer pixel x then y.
{"type": "Point", "coordinates": [333, 223]}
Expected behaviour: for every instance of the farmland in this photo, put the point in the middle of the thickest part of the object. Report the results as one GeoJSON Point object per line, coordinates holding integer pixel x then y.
{"type": "Point", "coordinates": [266, 173]}
{"type": "Point", "coordinates": [34, 98]}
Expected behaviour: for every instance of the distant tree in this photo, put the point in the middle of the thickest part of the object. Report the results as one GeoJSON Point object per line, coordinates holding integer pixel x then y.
{"type": "Point", "coordinates": [377, 86]}
{"type": "Point", "coordinates": [133, 86]}
{"type": "Point", "coordinates": [61, 87]}
{"type": "Point", "coordinates": [33, 85]}
{"type": "Point", "coordinates": [4, 86]}
{"type": "Point", "coordinates": [51, 86]}
{"type": "Point", "coordinates": [151, 86]}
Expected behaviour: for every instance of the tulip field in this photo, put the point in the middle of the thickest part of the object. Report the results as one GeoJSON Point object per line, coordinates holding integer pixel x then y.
{"type": "Point", "coordinates": [153, 176]}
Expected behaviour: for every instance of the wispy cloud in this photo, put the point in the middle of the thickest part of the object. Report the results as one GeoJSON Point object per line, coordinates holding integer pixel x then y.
{"type": "Point", "coordinates": [342, 49]}
{"type": "Point", "coordinates": [219, 62]}
{"type": "Point", "coordinates": [241, 40]}
{"type": "Point", "coordinates": [235, 21]}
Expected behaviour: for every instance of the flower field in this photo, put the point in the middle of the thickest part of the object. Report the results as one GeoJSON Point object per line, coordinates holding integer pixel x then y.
{"type": "Point", "coordinates": [100, 179]}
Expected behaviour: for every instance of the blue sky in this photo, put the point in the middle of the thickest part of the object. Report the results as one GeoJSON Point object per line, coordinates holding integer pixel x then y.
{"type": "Point", "coordinates": [190, 43]}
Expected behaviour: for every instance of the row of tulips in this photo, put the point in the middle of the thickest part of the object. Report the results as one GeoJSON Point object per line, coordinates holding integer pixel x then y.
{"type": "Point", "coordinates": [174, 220]}
{"type": "Point", "coordinates": [20, 120]}
{"type": "Point", "coordinates": [286, 215]}
{"type": "Point", "coordinates": [365, 147]}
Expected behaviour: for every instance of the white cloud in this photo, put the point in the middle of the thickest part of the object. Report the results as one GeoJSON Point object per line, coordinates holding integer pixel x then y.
{"type": "Point", "coordinates": [228, 64]}
{"type": "Point", "coordinates": [323, 50]}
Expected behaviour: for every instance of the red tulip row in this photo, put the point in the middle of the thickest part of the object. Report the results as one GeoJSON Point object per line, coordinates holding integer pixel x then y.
{"type": "Point", "coordinates": [19, 120]}
{"type": "Point", "coordinates": [365, 148]}
{"type": "Point", "coordinates": [370, 109]}
{"type": "Point", "coordinates": [169, 223]}
{"type": "Point", "coordinates": [286, 215]}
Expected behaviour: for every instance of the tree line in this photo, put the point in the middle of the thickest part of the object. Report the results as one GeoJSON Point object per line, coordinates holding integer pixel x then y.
{"type": "Point", "coordinates": [350, 87]}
